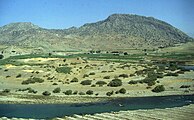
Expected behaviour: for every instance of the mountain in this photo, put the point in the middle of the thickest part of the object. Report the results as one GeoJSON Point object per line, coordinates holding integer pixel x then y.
{"type": "Point", "coordinates": [118, 31]}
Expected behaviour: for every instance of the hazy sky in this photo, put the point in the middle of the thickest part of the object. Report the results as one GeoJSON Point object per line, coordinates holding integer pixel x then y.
{"type": "Point", "coordinates": [68, 13]}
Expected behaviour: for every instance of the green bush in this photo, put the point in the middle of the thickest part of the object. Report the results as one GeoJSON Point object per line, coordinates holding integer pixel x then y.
{"type": "Point", "coordinates": [123, 75]}
{"type": "Point", "coordinates": [172, 74]}
{"type": "Point", "coordinates": [92, 73]}
{"type": "Point", "coordinates": [18, 76]}
{"type": "Point", "coordinates": [1, 56]}
{"type": "Point", "coordinates": [32, 81]}
{"type": "Point", "coordinates": [46, 93]}
{"type": "Point", "coordinates": [85, 75]}
{"type": "Point", "coordinates": [122, 91]}
{"type": "Point", "coordinates": [30, 90]}
{"type": "Point", "coordinates": [158, 88]}
{"type": "Point", "coordinates": [6, 91]}
{"type": "Point", "coordinates": [57, 90]}
{"type": "Point", "coordinates": [86, 82]}
{"type": "Point", "coordinates": [68, 92]}
{"type": "Point", "coordinates": [101, 83]}
{"type": "Point", "coordinates": [151, 83]}
{"type": "Point", "coordinates": [106, 77]}
{"type": "Point", "coordinates": [74, 80]}
{"type": "Point", "coordinates": [109, 93]}
{"type": "Point", "coordinates": [132, 82]}
{"type": "Point", "coordinates": [115, 83]}
{"type": "Point", "coordinates": [89, 92]}
{"type": "Point", "coordinates": [185, 86]}
{"type": "Point", "coordinates": [65, 70]}
{"type": "Point", "coordinates": [75, 92]}
{"type": "Point", "coordinates": [81, 93]}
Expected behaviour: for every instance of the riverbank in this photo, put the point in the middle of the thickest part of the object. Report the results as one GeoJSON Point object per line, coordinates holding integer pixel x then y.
{"type": "Point", "coordinates": [177, 113]}
{"type": "Point", "coordinates": [39, 99]}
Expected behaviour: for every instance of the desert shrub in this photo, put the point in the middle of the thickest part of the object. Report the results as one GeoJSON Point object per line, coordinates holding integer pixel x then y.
{"type": "Point", "coordinates": [85, 75]}
{"type": "Point", "coordinates": [8, 76]}
{"type": "Point", "coordinates": [115, 83]}
{"type": "Point", "coordinates": [158, 88]}
{"type": "Point", "coordinates": [86, 82]}
{"type": "Point", "coordinates": [106, 77]}
{"type": "Point", "coordinates": [109, 93]}
{"type": "Point", "coordinates": [89, 92]}
{"type": "Point", "coordinates": [123, 75]}
{"type": "Point", "coordinates": [75, 92]}
{"type": "Point", "coordinates": [93, 85]}
{"type": "Point", "coordinates": [122, 91]}
{"type": "Point", "coordinates": [46, 93]}
{"type": "Point", "coordinates": [101, 83]}
{"type": "Point", "coordinates": [151, 83]}
{"type": "Point", "coordinates": [1, 56]}
{"type": "Point", "coordinates": [6, 91]}
{"type": "Point", "coordinates": [57, 90]}
{"type": "Point", "coordinates": [185, 86]}
{"type": "Point", "coordinates": [117, 92]}
{"type": "Point", "coordinates": [81, 93]}
{"type": "Point", "coordinates": [32, 80]}
{"type": "Point", "coordinates": [180, 72]}
{"type": "Point", "coordinates": [132, 82]}
{"type": "Point", "coordinates": [74, 80]}
{"type": "Point", "coordinates": [173, 67]}
{"type": "Point", "coordinates": [18, 76]}
{"type": "Point", "coordinates": [92, 73]}
{"type": "Point", "coordinates": [159, 75]}
{"type": "Point", "coordinates": [68, 92]}
{"type": "Point", "coordinates": [65, 70]}
{"type": "Point", "coordinates": [172, 74]}
{"type": "Point", "coordinates": [55, 84]}
{"type": "Point", "coordinates": [30, 90]}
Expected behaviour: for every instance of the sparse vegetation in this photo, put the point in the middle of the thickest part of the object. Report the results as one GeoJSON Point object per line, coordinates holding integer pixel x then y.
{"type": "Point", "coordinates": [32, 81]}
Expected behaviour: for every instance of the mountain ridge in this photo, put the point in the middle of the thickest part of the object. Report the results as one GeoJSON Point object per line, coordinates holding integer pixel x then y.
{"type": "Point", "coordinates": [121, 30]}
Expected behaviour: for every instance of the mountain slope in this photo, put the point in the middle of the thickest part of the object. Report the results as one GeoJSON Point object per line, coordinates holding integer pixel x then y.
{"type": "Point", "coordinates": [117, 31]}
